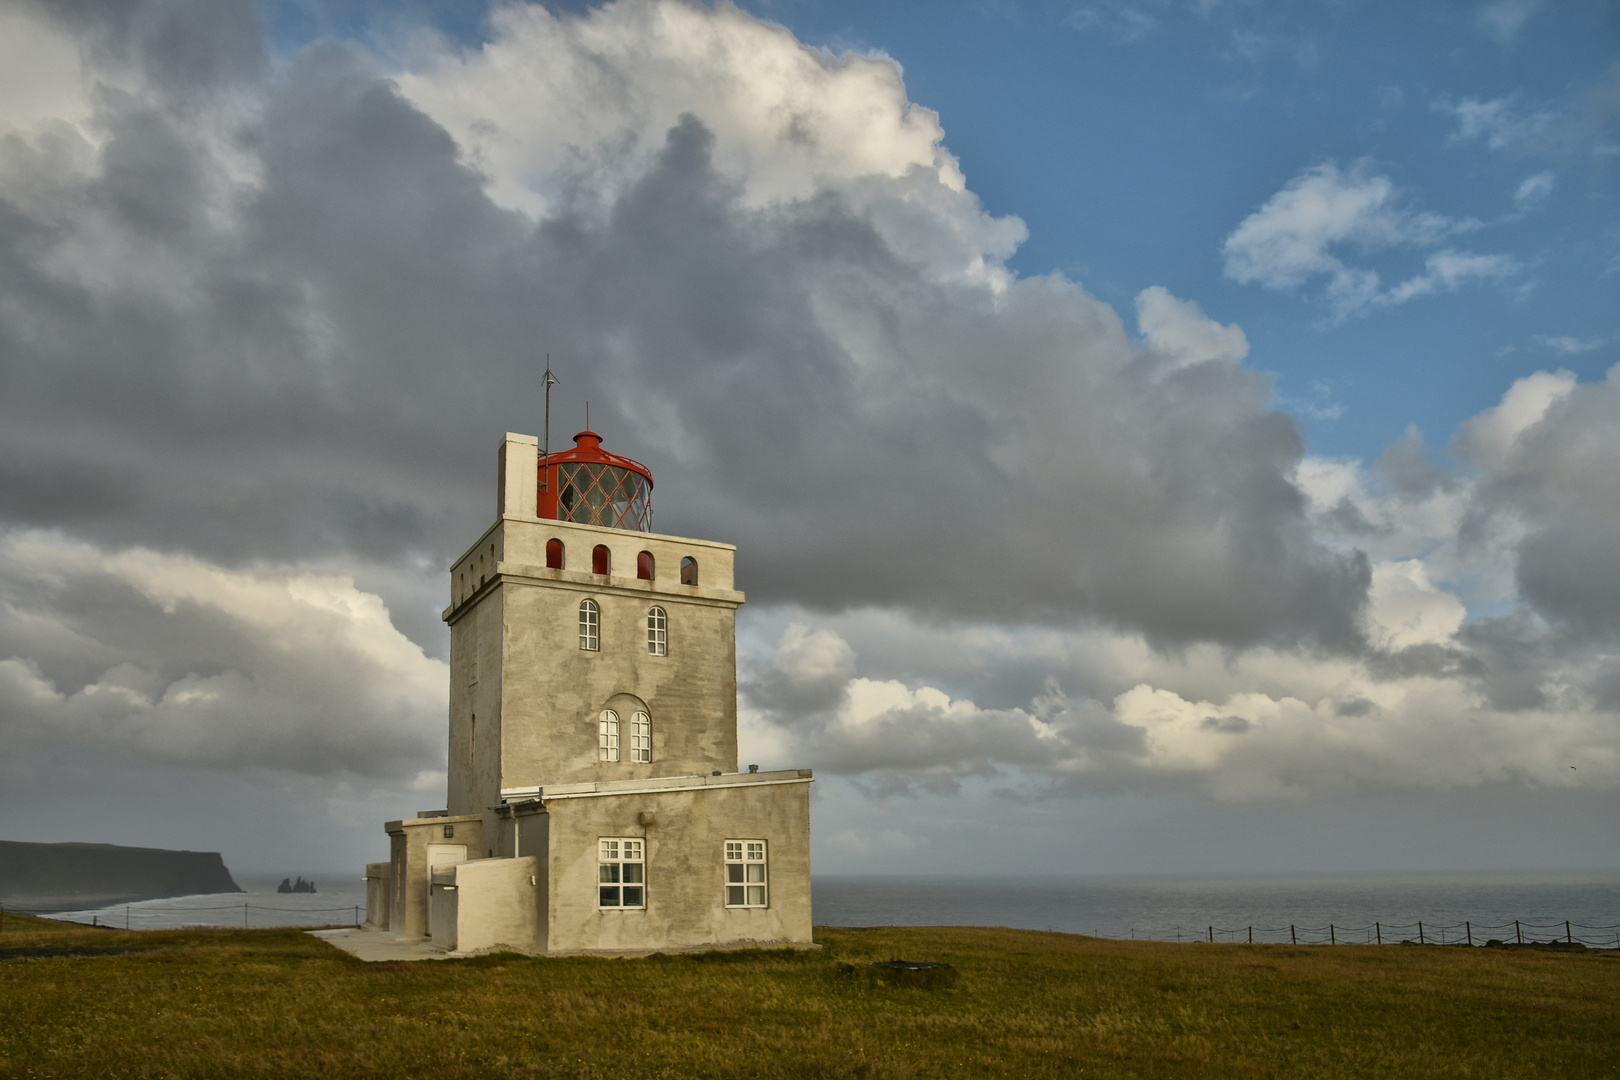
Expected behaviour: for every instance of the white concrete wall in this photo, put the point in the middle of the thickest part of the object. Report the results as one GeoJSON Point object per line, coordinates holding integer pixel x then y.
{"type": "Point", "coordinates": [518, 476]}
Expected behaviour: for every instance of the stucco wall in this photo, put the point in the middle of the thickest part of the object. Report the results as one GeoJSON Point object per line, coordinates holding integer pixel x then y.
{"type": "Point", "coordinates": [516, 663]}
{"type": "Point", "coordinates": [499, 902]}
{"type": "Point", "coordinates": [556, 691]}
{"type": "Point", "coordinates": [409, 841]}
{"type": "Point", "coordinates": [685, 868]}
{"type": "Point", "coordinates": [474, 760]}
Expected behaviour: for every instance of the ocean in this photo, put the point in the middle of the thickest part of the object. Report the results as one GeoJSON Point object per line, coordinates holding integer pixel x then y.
{"type": "Point", "coordinates": [1345, 909]}
{"type": "Point", "coordinates": [339, 901]}
{"type": "Point", "coordinates": [1452, 908]}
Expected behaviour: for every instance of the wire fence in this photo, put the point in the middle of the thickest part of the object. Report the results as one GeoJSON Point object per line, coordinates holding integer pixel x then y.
{"type": "Point", "coordinates": [1568, 934]}
{"type": "Point", "coordinates": [147, 907]}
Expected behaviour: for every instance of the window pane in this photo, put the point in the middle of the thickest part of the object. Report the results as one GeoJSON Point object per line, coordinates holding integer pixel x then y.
{"type": "Point", "coordinates": [734, 871]}
{"type": "Point", "coordinates": [632, 873]}
{"type": "Point", "coordinates": [733, 851]}
{"type": "Point", "coordinates": [756, 851]}
{"type": "Point", "coordinates": [609, 896]}
{"type": "Point", "coordinates": [608, 872]}
{"type": "Point", "coordinates": [610, 849]}
{"type": "Point", "coordinates": [756, 895]}
{"type": "Point", "coordinates": [734, 895]}
{"type": "Point", "coordinates": [632, 896]}
{"type": "Point", "coordinates": [756, 871]}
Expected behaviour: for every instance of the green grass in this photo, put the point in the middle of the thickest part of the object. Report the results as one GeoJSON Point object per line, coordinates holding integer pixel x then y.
{"type": "Point", "coordinates": [279, 1003]}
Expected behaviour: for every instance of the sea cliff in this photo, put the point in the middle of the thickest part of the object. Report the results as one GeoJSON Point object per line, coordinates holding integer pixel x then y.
{"type": "Point", "coordinates": [66, 877]}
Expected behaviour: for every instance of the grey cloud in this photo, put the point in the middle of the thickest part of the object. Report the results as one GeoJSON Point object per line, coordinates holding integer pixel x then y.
{"type": "Point", "coordinates": [895, 740]}
{"type": "Point", "coordinates": [185, 48]}
{"type": "Point", "coordinates": [1509, 657]}
{"type": "Point", "coordinates": [1405, 466]}
{"type": "Point", "coordinates": [174, 660]}
{"type": "Point", "coordinates": [1560, 478]}
{"type": "Point", "coordinates": [315, 361]}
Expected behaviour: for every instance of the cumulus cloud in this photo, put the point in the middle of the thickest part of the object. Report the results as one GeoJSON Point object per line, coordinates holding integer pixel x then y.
{"type": "Point", "coordinates": [1178, 331]}
{"type": "Point", "coordinates": [1521, 526]}
{"type": "Point", "coordinates": [328, 288]}
{"type": "Point", "coordinates": [171, 659]}
{"type": "Point", "coordinates": [259, 319]}
{"type": "Point", "coordinates": [1302, 233]}
{"type": "Point", "coordinates": [562, 108]}
{"type": "Point", "coordinates": [1262, 726]}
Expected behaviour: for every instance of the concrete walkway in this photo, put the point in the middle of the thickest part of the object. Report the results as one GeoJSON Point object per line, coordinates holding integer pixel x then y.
{"type": "Point", "coordinates": [375, 945]}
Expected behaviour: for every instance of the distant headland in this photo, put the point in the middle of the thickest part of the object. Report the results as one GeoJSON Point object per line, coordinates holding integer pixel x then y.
{"type": "Point", "coordinates": [69, 877]}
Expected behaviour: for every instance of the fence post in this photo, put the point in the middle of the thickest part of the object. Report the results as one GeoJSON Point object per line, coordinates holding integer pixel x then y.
{"type": "Point", "coordinates": [126, 916]}
{"type": "Point", "coordinates": [244, 917]}
{"type": "Point", "coordinates": [1333, 935]}
{"type": "Point", "coordinates": [1379, 929]}
{"type": "Point", "coordinates": [1420, 933]}
{"type": "Point", "coordinates": [1518, 935]}
{"type": "Point", "coordinates": [1469, 928]}
{"type": "Point", "coordinates": [1569, 939]}
{"type": "Point", "coordinates": [1212, 935]}
{"type": "Point", "coordinates": [357, 915]}
{"type": "Point", "coordinates": [1293, 937]}
{"type": "Point", "coordinates": [1251, 935]}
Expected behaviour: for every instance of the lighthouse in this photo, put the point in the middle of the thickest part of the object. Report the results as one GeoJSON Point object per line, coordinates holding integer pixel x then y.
{"type": "Point", "coordinates": [594, 798]}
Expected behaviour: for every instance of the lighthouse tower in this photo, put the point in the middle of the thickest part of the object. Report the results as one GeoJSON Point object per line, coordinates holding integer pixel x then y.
{"type": "Point", "coordinates": [594, 798]}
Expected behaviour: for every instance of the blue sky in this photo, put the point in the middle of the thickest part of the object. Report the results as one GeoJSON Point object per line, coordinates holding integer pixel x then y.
{"type": "Point", "coordinates": [1073, 490]}
{"type": "Point", "coordinates": [1134, 138]}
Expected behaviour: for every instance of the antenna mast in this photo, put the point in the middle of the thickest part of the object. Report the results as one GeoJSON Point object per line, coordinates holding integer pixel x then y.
{"type": "Point", "coordinates": [550, 380]}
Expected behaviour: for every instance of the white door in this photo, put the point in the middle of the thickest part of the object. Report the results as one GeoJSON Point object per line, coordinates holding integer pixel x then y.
{"type": "Point", "coordinates": [445, 854]}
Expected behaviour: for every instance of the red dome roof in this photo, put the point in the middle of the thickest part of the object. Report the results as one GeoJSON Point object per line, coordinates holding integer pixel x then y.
{"type": "Point", "coordinates": [590, 485]}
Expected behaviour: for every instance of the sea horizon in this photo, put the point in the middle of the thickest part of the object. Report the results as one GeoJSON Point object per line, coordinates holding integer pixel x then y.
{"type": "Point", "coordinates": [1347, 907]}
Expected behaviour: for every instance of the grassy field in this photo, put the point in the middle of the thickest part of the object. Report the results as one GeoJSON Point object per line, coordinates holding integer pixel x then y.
{"type": "Point", "coordinates": [79, 1002]}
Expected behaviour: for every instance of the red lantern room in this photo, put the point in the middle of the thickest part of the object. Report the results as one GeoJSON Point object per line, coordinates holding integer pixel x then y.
{"type": "Point", "coordinates": [590, 486]}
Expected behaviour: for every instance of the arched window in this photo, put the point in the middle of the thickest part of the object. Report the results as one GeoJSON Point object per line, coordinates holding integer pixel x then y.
{"type": "Point", "coordinates": [554, 554]}
{"type": "Point", "coordinates": [688, 571]}
{"type": "Point", "coordinates": [601, 560]}
{"type": "Point", "coordinates": [607, 735]}
{"type": "Point", "coordinates": [644, 566]}
{"type": "Point", "coordinates": [640, 737]}
{"type": "Point", "coordinates": [590, 620]}
{"type": "Point", "coordinates": [657, 632]}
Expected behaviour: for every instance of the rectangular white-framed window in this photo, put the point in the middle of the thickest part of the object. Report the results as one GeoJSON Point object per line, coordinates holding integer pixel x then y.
{"type": "Point", "coordinates": [607, 735]}
{"type": "Point", "coordinates": [621, 872]}
{"type": "Point", "coordinates": [640, 737]}
{"type": "Point", "coordinates": [746, 884]}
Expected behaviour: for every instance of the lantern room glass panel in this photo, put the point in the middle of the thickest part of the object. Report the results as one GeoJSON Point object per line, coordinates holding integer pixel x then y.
{"type": "Point", "coordinates": [592, 493]}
